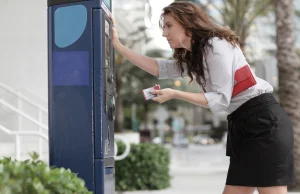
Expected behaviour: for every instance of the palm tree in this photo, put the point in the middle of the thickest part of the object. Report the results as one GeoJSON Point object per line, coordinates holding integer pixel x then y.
{"type": "Point", "coordinates": [288, 68]}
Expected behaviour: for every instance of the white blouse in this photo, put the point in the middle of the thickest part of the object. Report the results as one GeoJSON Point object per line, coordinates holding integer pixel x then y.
{"type": "Point", "coordinates": [222, 61]}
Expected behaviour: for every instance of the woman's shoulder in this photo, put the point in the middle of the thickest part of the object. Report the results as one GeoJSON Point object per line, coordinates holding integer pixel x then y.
{"type": "Point", "coordinates": [222, 47]}
{"type": "Point", "coordinates": [221, 43]}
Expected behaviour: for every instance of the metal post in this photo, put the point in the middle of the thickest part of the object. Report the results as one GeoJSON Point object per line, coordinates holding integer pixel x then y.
{"type": "Point", "coordinates": [20, 126]}
{"type": "Point", "coordinates": [40, 143]}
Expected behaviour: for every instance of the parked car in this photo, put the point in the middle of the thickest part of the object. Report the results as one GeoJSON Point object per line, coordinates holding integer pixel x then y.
{"type": "Point", "coordinates": [180, 140]}
{"type": "Point", "coordinates": [203, 140]}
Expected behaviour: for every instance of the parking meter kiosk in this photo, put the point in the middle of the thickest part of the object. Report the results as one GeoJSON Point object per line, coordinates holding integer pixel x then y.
{"type": "Point", "coordinates": [82, 91]}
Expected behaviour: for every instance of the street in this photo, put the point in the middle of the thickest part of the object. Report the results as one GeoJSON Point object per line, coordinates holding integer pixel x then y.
{"type": "Point", "coordinates": [196, 170]}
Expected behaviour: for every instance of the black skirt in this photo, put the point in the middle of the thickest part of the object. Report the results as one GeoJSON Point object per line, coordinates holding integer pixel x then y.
{"type": "Point", "coordinates": [260, 144]}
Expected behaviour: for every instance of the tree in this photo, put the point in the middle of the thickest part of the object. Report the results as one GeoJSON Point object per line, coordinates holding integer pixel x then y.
{"type": "Point", "coordinates": [122, 66]}
{"type": "Point", "coordinates": [239, 15]}
{"type": "Point", "coordinates": [288, 68]}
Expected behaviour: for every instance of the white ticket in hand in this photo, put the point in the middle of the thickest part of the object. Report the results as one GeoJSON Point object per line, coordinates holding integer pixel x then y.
{"type": "Point", "coordinates": [147, 92]}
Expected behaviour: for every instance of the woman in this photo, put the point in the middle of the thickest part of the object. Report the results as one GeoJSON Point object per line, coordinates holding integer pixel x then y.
{"type": "Point", "coordinates": [260, 137]}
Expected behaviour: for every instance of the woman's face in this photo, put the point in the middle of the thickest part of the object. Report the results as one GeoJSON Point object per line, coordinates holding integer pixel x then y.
{"type": "Point", "coordinates": [174, 32]}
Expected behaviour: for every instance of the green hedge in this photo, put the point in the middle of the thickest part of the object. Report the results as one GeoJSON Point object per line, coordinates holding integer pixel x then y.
{"type": "Point", "coordinates": [145, 168]}
{"type": "Point", "coordinates": [36, 177]}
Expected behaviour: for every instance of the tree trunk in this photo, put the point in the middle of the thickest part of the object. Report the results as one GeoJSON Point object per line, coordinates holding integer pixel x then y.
{"type": "Point", "coordinates": [119, 99]}
{"type": "Point", "coordinates": [288, 68]}
{"type": "Point", "coordinates": [243, 43]}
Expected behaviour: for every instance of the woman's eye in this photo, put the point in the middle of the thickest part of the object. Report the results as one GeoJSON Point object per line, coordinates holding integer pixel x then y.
{"type": "Point", "coordinates": [167, 26]}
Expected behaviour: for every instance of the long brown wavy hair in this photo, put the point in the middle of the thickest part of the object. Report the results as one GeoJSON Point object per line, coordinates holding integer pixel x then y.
{"type": "Point", "coordinates": [201, 28]}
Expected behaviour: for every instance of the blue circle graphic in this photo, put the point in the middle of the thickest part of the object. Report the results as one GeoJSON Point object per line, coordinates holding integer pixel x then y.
{"type": "Point", "coordinates": [69, 24]}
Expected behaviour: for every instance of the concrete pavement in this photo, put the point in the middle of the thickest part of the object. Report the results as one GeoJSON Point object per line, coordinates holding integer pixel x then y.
{"type": "Point", "coordinates": [196, 170]}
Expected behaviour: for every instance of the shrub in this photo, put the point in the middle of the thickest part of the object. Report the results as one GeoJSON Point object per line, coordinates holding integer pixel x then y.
{"type": "Point", "coordinates": [145, 168]}
{"type": "Point", "coordinates": [36, 177]}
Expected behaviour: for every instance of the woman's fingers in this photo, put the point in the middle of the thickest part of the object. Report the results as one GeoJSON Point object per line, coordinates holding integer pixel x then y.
{"type": "Point", "coordinates": [156, 92]}
{"type": "Point", "coordinates": [115, 37]}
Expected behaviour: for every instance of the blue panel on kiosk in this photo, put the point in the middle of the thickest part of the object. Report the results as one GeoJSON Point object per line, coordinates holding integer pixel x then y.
{"type": "Point", "coordinates": [69, 24]}
{"type": "Point", "coordinates": [105, 173]}
{"type": "Point", "coordinates": [103, 95]}
{"type": "Point", "coordinates": [70, 68]}
{"type": "Point", "coordinates": [71, 130]}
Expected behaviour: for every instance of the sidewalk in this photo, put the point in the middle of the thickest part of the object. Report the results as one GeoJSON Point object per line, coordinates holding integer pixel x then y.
{"type": "Point", "coordinates": [206, 176]}
{"type": "Point", "coordinates": [194, 182]}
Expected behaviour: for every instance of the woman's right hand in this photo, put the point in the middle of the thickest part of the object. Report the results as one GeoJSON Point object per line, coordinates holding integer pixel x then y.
{"type": "Point", "coordinates": [145, 63]}
{"type": "Point", "coordinates": [115, 37]}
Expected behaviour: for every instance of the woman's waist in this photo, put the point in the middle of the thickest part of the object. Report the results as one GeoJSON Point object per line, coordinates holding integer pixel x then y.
{"type": "Point", "coordinates": [243, 107]}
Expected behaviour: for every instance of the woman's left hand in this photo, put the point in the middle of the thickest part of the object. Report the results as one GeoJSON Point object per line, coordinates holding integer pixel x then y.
{"type": "Point", "coordinates": [163, 95]}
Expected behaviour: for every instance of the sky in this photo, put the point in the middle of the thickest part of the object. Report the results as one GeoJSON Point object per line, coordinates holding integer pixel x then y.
{"type": "Point", "coordinates": [158, 40]}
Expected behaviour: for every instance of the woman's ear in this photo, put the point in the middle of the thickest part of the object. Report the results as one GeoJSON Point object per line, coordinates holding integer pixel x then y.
{"type": "Point", "coordinates": [188, 33]}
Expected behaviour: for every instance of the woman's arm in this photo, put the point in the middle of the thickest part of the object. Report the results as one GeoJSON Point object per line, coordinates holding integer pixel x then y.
{"type": "Point", "coordinates": [168, 94]}
{"type": "Point", "coordinates": [221, 60]}
{"type": "Point", "coordinates": [145, 63]}
{"type": "Point", "coordinates": [195, 98]}
{"type": "Point", "coordinates": [163, 69]}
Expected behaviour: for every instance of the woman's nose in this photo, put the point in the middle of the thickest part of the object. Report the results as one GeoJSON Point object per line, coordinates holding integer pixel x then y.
{"type": "Point", "coordinates": [164, 34]}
